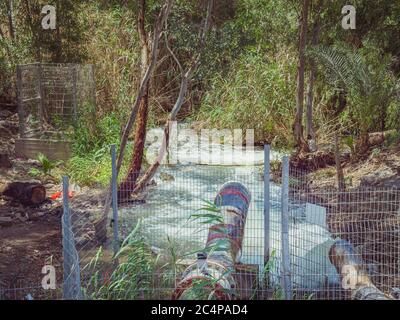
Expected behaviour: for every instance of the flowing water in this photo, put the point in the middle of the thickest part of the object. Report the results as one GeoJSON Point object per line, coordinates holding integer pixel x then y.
{"type": "Point", "coordinates": [180, 191]}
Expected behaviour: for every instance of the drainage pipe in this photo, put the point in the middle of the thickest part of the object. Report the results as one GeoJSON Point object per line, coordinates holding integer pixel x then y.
{"type": "Point", "coordinates": [211, 276]}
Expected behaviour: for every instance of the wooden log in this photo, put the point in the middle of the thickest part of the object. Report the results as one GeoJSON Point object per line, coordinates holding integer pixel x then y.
{"type": "Point", "coordinates": [5, 161]}
{"type": "Point", "coordinates": [353, 272]}
{"type": "Point", "coordinates": [27, 193]}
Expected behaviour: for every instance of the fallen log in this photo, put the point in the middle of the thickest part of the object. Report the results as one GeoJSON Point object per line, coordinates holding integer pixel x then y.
{"type": "Point", "coordinates": [353, 272]}
{"type": "Point", "coordinates": [211, 276]}
{"type": "Point", "coordinates": [27, 193]}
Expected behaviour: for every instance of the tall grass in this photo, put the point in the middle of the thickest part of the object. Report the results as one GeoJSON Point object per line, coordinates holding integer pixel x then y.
{"type": "Point", "coordinates": [133, 276]}
{"type": "Point", "coordinates": [256, 94]}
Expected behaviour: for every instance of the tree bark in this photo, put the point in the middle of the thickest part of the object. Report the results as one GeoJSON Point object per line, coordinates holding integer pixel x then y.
{"type": "Point", "coordinates": [298, 124]}
{"type": "Point", "coordinates": [127, 186]}
{"type": "Point", "coordinates": [339, 169]}
{"type": "Point", "coordinates": [161, 20]}
{"type": "Point", "coordinates": [2, 33]}
{"type": "Point", "coordinates": [10, 14]}
{"type": "Point", "coordinates": [27, 193]}
{"type": "Point", "coordinates": [158, 29]}
{"type": "Point", "coordinates": [35, 35]}
{"type": "Point", "coordinates": [310, 134]}
{"type": "Point", "coordinates": [186, 77]}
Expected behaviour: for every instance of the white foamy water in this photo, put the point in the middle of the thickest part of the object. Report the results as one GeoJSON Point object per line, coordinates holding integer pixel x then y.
{"type": "Point", "coordinates": [180, 192]}
{"type": "Point", "coordinates": [190, 147]}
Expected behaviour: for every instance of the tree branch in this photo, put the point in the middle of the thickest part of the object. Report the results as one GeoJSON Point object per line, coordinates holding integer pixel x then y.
{"type": "Point", "coordinates": [186, 77]}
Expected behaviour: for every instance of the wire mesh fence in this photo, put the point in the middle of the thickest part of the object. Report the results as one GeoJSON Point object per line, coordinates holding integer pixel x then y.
{"type": "Point", "coordinates": [297, 243]}
{"type": "Point", "coordinates": [20, 288]}
{"type": "Point", "coordinates": [51, 96]}
{"type": "Point", "coordinates": [174, 211]}
{"type": "Point", "coordinates": [172, 219]}
{"type": "Point", "coordinates": [366, 220]}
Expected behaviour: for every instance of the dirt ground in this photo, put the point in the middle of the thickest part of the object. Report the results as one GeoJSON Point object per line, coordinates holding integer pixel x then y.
{"type": "Point", "coordinates": [30, 237]}
{"type": "Point", "coordinates": [381, 169]}
{"type": "Point", "coordinates": [24, 249]}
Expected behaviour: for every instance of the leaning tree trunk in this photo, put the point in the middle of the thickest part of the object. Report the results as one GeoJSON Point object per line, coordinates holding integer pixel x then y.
{"type": "Point", "coordinates": [298, 123]}
{"type": "Point", "coordinates": [127, 186]}
{"type": "Point", "coordinates": [186, 77]}
{"type": "Point", "coordinates": [353, 273]}
{"type": "Point", "coordinates": [158, 29]}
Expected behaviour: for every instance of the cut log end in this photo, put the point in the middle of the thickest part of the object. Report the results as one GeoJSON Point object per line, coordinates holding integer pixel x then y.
{"type": "Point", "coordinates": [27, 193]}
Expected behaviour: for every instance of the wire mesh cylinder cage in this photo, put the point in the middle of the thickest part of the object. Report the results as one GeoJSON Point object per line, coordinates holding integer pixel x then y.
{"type": "Point", "coordinates": [51, 96]}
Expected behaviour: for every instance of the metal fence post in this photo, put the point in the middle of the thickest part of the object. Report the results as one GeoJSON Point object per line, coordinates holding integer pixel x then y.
{"type": "Point", "coordinates": [266, 202]}
{"type": "Point", "coordinates": [66, 224]}
{"type": "Point", "coordinates": [71, 268]}
{"type": "Point", "coordinates": [286, 268]}
{"type": "Point", "coordinates": [114, 197]}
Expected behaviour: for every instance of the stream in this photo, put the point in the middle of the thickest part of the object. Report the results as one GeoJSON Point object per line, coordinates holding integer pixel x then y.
{"type": "Point", "coordinates": [181, 191]}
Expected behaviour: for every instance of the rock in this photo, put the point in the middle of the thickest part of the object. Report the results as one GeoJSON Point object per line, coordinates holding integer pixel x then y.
{"type": "Point", "coordinates": [22, 217]}
{"type": "Point", "coordinates": [5, 221]}
{"type": "Point", "coordinates": [49, 186]}
{"type": "Point", "coordinates": [385, 177]}
{"type": "Point", "coordinates": [166, 176]}
{"type": "Point", "coordinates": [155, 250]}
{"type": "Point", "coordinates": [34, 216]}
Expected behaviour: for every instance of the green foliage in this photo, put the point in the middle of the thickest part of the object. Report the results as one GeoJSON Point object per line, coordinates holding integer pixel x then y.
{"type": "Point", "coordinates": [367, 80]}
{"type": "Point", "coordinates": [257, 88]}
{"type": "Point", "coordinates": [91, 161]}
{"type": "Point", "coordinates": [133, 276]}
{"type": "Point", "coordinates": [46, 166]}
{"type": "Point", "coordinates": [93, 135]}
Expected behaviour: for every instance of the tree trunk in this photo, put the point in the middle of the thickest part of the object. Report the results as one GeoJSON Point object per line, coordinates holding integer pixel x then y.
{"type": "Point", "coordinates": [2, 33]}
{"type": "Point", "coordinates": [186, 77]}
{"type": "Point", "coordinates": [35, 35]}
{"type": "Point", "coordinates": [353, 273]}
{"type": "Point", "coordinates": [310, 134]}
{"type": "Point", "coordinates": [339, 169]}
{"type": "Point", "coordinates": [158, 28]}
{"type": "Point", "coordinates": [27, 193]}
{"type": "Point", "coordinates": [298, 124]}
{"type": "Point", "coordinates": [10, 13]}
{"type": "Point", "coordinates": [126, 188]}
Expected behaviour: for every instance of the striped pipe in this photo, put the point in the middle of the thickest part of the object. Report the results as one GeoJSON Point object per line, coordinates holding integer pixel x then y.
{"type": "Point", "coordinates": [212, 274]}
